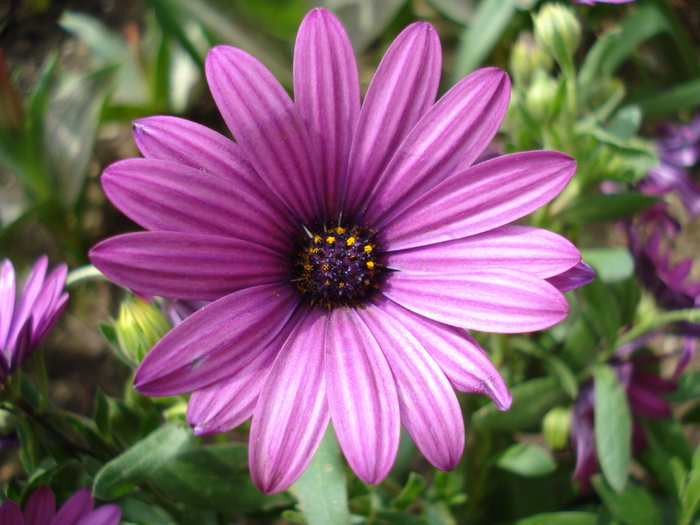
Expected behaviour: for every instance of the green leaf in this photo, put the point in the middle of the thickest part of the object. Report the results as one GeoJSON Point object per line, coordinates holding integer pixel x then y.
{"type": "Point", "coordinates": [140, 462]}
{"type": "Point", "coordinates": [215, 477]}
{"type": "Point", "coordinates": [560, 518]}
{"type": "Point", "coordinates": [490, 20]}
{"type": "Point", "coordinates": [531, 401]}
{"type": "Point", "coordinates": [604, 208]}
{"type": "Point", "coordinates": [397, 518]}
{"type": "Point", "coordinates": [625, 124]}
{"type": "Point", "coordinates": [690, 502]}
{"type": "Point", "coordinates": [322, 488]}
{"type": "Point", "coordinates": [414, 486]}
{"type": "Point", "coordinates": [680, 96]}
{"type": "Point", "coordinates": [687, 388]}
{"type": "Point", "coordinates": [613, 427]}
{"type": "Point", "coordinates": [610, 264]}
{"type": "Point", "coordinates": [633, 506]}
{"type": "Point", "coordinates": [527, 460]}
{"type": "Point", "coordinates": [600, 307]}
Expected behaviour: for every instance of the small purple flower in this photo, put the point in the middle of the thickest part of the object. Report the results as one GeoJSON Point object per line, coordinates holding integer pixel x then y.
{"type": "Point", "coordinates": [345, 246]}
{"type": "Point", "coordinates": [41, 510]}
{"type": "Point", "coordinates": [25, 325]}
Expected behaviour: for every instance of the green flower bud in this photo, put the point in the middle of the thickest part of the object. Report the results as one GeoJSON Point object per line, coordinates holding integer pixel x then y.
{"type": "Point", "coordinates": [558, 30]}
{"type": "Point", "coordinates": [8, 423]}
{"type": "Point", "coordinates": [540, 96]}
{"type": "Point", "coordinates": [556, 427]}
{"type": "Point", "coordinates": [139, 326]}
{"type": "Point", "coordinates": [526, 58]}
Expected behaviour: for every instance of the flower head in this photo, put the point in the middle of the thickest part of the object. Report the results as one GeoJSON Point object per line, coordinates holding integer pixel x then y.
{"type": "Point", "coordinates": [41, 510]}
{"type": "Point", "coordinates": [345, 248]}
{"type": "Point", "coordinates": [25, 325]}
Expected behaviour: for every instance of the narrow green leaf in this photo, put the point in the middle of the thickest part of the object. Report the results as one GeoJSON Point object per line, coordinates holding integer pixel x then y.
{"type": "Point", "coordinates": [600, 308]}
{"type": "Point", "coordinates": [603, 208]}
{"type": "Point", "coordinates": [691, 498]}
{"type": "Point", "coordinates": [414, 486]}
{"type": "Point", "coordinates": [140, 462]}
{"type": "Point", "coordinates": [322, 488]}
{"type": "Point", "coordinates": [527, 460]}
{"type": "Point", "coordinates": [633, 506]}
{"type": "Point", "coordinates": [613, 427]}
{"type": "Point", "coordinates": [680, 96]}
{"type": "Point", "coordinates": [560, 518]}
{"type": "Point", "coordinates": [399, 518]}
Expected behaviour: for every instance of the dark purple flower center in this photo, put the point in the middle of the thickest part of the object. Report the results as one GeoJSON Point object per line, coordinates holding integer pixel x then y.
{"type": "Point", "coordinates": [338, 267]}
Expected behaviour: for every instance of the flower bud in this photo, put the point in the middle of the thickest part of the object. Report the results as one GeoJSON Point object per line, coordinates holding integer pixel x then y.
{"type": "Point", "coordinates": [556, 427]}
{"type": "Point", "coordinates": [140, 325]}
{"type": "Point", "coordinates": [526, 58]}
{"type": "Point", "coordinates": [558, 30]}
{"type": "Point", "coordinates": [540, 96]}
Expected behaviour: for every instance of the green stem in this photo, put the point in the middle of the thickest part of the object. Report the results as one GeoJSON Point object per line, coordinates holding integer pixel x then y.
{"type": "Point", "coordinates": [82, 273]}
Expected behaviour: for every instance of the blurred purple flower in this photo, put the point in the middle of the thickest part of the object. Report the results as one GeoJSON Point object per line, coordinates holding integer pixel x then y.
{"type": "Point", "coordinates": [594, 2]}
{"type": "Point", "coordinates": [41, 510]}
{"type": "Point", "coordinates": [25, 325]}
{"type": "Point", "coordinates": [344, 247]}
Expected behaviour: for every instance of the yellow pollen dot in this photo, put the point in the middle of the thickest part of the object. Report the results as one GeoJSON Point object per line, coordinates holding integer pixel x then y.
{"type": "Point", "coordinates": [308, 267]}
{"type": "Point", "coordinates": [326, 267]}
{"type": "Point", "coordinates": [327, 282]}
{"type": "Point", "coordinates": [350, 241]}
{"type": "Point", "coordinates": [314, 250]}
{"type": "Point", "coordinates": [339, 230]}
{"type": "Point", "coordinates": [370, 264]}
{"type": "Point", "coordinates": [341, 285]}
{"type": "Point", "coordinates": [317, 239]}
{"type": "Point", "coordinates": [330, 240]}
{"type": "Point", "coordinates": [368, 249]}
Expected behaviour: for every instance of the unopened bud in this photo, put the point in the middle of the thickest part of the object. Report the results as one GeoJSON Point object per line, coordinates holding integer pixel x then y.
{"type": "Point", "coordinates": [540, 96]}
{"type": "Point", "coordinates": [140, 325]}
{"type": "Point", "coordinates": [526, 58]}
{"type": "Point", "coordinates": [558, 30]}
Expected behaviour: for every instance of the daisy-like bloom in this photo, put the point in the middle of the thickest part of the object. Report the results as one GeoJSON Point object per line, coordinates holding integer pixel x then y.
{"type": "Point", "coordinates": [41, 510]}
{"type": "Point", "coordinates": [25, 325]}
{"type": "Point", "coordinates": [345, 248]}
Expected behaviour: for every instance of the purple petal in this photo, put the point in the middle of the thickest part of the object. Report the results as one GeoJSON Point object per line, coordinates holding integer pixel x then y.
{"type": "Point", "coordinates": [187, 266]}
{"type": "Point", "coordinates": [292, 412]}
{"type": "Point", "coordinates": [401, 92]}
{"type": "Point", "coordinates": [10, 513]}
{"type": "Point", "coordinates": [31, 290]}
{"type": "Point", "coordinates": [215, 341]}
{"type": "Point", "coordinates": [40, 507]}
{"type": "Point", "coordinates": [7, 300]}
{"type": "Point", "coordinates": [429, 408]}
{"type": "Point", "coordinates": [459, 356]}
{"type": "Point", "coordinates": [105, 515]}
{"type": "Point", "coordinates": [577, 276]}
{"type": "Point", "coordinates": [479, 199]}
{"type": "Point", "coordinates": [77, 506]}
{"type": "Point", "coordinates": [361, 396]}
{"type": "Point", "coordinates": [447, 140]}
{"type": "Point", "coordinates": [498, 300]}
{"type": "Point", "coordinates": [532, 250]}
{"type": "Point", "coordinates": [228, 402]}
{"type": "Point", "coordinates": [267, 126]}
{"type": "Point", "coordinates": [161, 195]}
{"type": "Point", "coordinates": [327, 94]}
{"type": "Point", "coordinates": [647, 404]}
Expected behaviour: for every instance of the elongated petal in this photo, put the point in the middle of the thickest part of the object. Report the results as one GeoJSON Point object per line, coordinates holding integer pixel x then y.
{"type": "Point", "coordinates": [77, 506]}
{"type": "Point", "coordinates": [29, 294]}
{"type": "Point", "coordinates": [531, 250]}
{"type": "Point", "coordinates": [7, 300]}
{"type": "Point", "coordinates": [574, 277]}
{"type": "Point", "coordinates": [228, 402]}
{"type": "Point", "coordinates": [10, 513]}
{"type": "Point", "coordinates": [186, 266]}
{"type": "Point", "coordinates": [499, 300]}
{"type": "Point", "coordinates": [40, 507]}
{"type": "Point", "coordinates": [486, 196]}
{"type": "Point", "coordinates": [361, 396]}
{"type": "Point", "coordinates": [162, 195]}
{"type": "Point", "coordinates": [267, 126]}
{"type": "Point", "coordinates": [105, 515]}
{"type": "Point", "coordinates": [215, 341]}
{"type": "Point", "coordinates": [447, 140]}
{"type": "Point", "coordinates": [401, 92]}
{"type": "Point", "coordinates": [327, 93]}
{"type": "Point", "coordinates": [429, 408]}
{"type": "Point", "coordinates": [459, 356]}
{"type": "Point", "coordinates": [292, 412]}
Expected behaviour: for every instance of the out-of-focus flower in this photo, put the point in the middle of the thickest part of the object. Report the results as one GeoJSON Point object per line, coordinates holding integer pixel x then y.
{"type": "Point", "coordinates": [23, 326]}
{"type": "Point", "coordinates": [594, 2]}
{"type": "Point", "coordinates": [678, 150]}
{"type": "Point", "coordinates": [344, 247]}
{"type": "Point", "coordinates": [41, 510]}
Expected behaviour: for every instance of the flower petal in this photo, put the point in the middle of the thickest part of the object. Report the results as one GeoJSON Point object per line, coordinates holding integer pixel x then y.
{"type": "Point", "coordinates": [31, 290]}
{"type": "Point", "coordinates": [456, 352]}
{"type": "Point", "coordinates": [267, 126]}
{"type": "Point", "coordinates": [77, 506]}
{"type": "Point", "coordinates": [292, 412]}
{"type": "Point", "coordinates": [361, 396]}
{"type": "Point", "coordinates": [105, 515]}
{"type": "Point", "coordinates": [479, 199]}
{"type": "Point", "coordinates": [402, 90]}
{"type": "Point", "coordinates": [40, 507]}
{"type": "Point", "coordinates": [215, 341]}
{"type": "Point", "coordinates": [576, 276]}
{"type": "Point", "coordinates": [532, 250]}
{"type": "Point", "coordinates": [429, 408]}
{"type": "Point", "coordinates": [186, 266]}
{"type": "Point", "coordinates": [162, 195]}
{"type": "Point", "coordinates": [447, 140]}
{"type": "Point", "coordinates": [327, 94]}
{"type": "Point", "coordinates": [10, 513]}
{"type": "Point", "coordinates": [7, 300]}
{"type": "Point", "coordinates": [498, 300]}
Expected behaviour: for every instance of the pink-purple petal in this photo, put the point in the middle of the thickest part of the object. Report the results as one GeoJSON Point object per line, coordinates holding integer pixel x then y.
{"type": "Point", "coordinates": [576, 276]}
{"type": "Point", "coordinates": [532, 250]}
{"type": "Point", "coordinates": [267, 126]}
{"type": "Point", "coordinates": [292, 412]}
{"type": "Point", "coordinates": [31, 290]}
{"type": "Point", "coordinates": [215, 341]}
{"type": "Point", "coordinates": [40, 507]}
{"type": "Point", "coordinates": [447, 140]}
{"type": "Point", "coordinates": [105, 515]}
{"type": "Point", "coordinates": [77, 506]}
{"type": "Point", "coordinates": [10, 513]}
{"type": "Point", "coordinates": [456, 352]}
{"type": "Point", "coordinates": [361, 396]}
{"type": "Point", "coordinates": [429, 408]}
{"type": "Point", "coordinates": [498, 300]}
{"type": "Point", "coordinates": [401, 92]}
{"type": "Point", "coordinates": [327, 94]}
{"type": "Point", "coordinates": [484, 197]}
{"type": "Point", "coordinates": [7, 300]}
{"type": "Point", "coordinates": [186, 266]}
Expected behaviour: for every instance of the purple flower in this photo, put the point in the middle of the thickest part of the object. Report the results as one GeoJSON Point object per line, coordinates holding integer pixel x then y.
{"type": "Point", "coordinates": [41, 510]}
{"type": "Point", "coordinates": [24, 326]}
{"type": "Point", "coordinates": [344, 247]}
{"type": "Point", "coordinates": [594, 2]}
